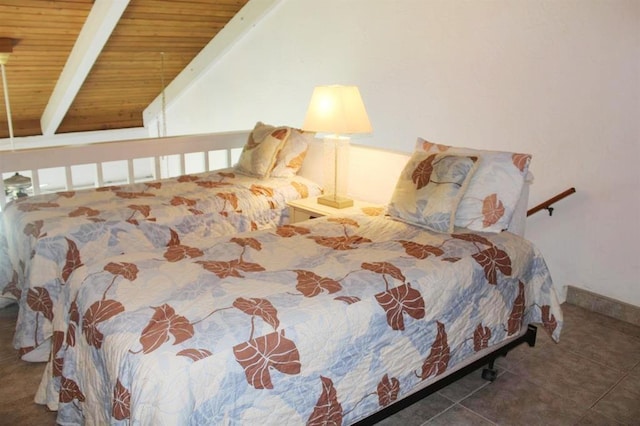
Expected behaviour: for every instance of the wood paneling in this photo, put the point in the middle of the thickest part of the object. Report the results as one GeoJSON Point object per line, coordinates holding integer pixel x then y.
{"type": "Point", "coordinates": [128, 73]}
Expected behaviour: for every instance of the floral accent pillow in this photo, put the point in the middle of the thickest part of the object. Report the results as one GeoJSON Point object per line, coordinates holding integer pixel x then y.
{"type": "Point", "coordinates": [430, 188]}
{"type": "Point", "coordinates": [259, 153]}
{"type": "Point", "coordinates": [290, 158]}
{"type": "Point", "coordinates": [494, 190]}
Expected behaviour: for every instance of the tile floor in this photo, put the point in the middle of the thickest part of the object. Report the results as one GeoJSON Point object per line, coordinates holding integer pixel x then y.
{"type": "Point", "coordinates": [592, 377]}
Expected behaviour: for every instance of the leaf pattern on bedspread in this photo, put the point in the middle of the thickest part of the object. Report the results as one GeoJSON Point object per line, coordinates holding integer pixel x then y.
{"type": "Point", "coordinates": [128, 271]}
{"type": "Point", "coordinates": [98, 312]}
{"type": "Point", "coordinates": [34, 229]}
{"type": "Point", "coordinates": [387, 390]}
{"type": "Point", "coordinates": [384, 268]}
{"type": "Point", "coordinates": [195, 354]}
{"type": "Point", "coordinates": [73, 261]}
{"type": "Point", "coordinates": [69, 391]}
{"type": "Point", "coordinates": [548, 319]}
{"type": "Point", "coordinates": [311, 284]}
{"type": "Point", "coordinates": [287, 231]}
{"type": "Point", "coordinates": [420, 251]}
{"type": "Point", "coordinates": [247, 242]}
{"type": "Point", "coordinates": [481, 337]}
{"type": "Point", "coordinates": [341, 243]}
{"type": "Point", "coordinates": [176, 251]}
{"type": "Point", "coordinates": [260, 354]}
{"type": "Point", "coordinates": [438, 359]}
{"type": "Point", "coordinates": [492, 210]}
{"type": "Point", "coordinates": [258, 307]}
{"type": "Point", "coordinates": [84, 211]}
{"type": "Point", "coordinates": [517, 312]}
{"type": "Point", "coordinates": [421, 176]}
{"type": "Point", "coordinates": [492, 260]}
{"type": "Point", "coordinates": [31, 207]}
{"type": "Point", "coordinates": [224, 269]}
{"type": "Point", "coordinates": [328, 410]}
{"type": "Point", "coordinates": [39, 300]}
{"type": "Point", "coordinates": [163, 323]}
{"type": "Point", "coordinates": [399, 300]}
{"type": "Point", "coordinates": [121, 404]}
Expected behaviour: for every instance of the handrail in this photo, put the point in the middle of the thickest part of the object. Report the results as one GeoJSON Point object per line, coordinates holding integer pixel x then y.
{"type": "Point", "coordinates": [547, 204]}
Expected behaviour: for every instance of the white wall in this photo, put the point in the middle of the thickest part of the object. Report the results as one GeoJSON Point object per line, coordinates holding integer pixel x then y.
{"type": "Point", "coordinates": [559, 79]}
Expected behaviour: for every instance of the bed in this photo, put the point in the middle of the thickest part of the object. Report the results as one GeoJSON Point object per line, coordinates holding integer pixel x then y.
{"type": "Point", "coordinates": [325, 321]}
{"type": "Point", "coordinates": [45, 237]}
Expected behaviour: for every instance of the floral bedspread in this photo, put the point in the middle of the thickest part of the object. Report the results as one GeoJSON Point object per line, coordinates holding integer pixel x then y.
{"type": "Point", "coordinates": [46, 237]}
{"type": "Point", "coordinates": [324, 321]}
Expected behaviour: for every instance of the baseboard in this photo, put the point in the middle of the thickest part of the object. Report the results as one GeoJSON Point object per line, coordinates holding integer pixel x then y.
{"type": "Point", "coordinates": [603, 305]}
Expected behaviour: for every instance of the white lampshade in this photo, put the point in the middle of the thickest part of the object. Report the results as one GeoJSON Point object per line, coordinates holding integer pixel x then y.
{"type": "Point", "coordinates": [337, 110]}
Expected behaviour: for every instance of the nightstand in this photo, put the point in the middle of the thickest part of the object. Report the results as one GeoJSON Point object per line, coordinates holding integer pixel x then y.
{"type": "Point", "coordinates": [308, 208]}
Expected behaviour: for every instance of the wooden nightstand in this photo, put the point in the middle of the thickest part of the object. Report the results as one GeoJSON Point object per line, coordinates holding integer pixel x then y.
{"type": "Point", "coordinates": [308, 208]}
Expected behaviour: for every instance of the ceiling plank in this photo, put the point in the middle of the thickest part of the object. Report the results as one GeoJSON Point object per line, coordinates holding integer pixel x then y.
{"type": "Point", "coordinates": [98, 27]}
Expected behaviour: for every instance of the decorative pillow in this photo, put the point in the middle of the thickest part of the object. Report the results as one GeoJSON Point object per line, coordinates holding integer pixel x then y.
{"type": "Point", "coordinates": [290, 157]}
{"type": "Point", "coordinates": [494, 190]}
{"type": "Point", "coordinates": [430, 188]}
{"type": "Point", "coordinates": [259, 153]}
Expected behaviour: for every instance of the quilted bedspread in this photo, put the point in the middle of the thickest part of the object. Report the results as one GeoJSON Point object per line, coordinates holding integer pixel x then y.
{"type": "Point", "coordinates": [325, 321]}
{"type": "Point", "coordinates": [46, 237]}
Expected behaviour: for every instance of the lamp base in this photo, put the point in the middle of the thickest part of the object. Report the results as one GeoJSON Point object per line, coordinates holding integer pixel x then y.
{"type": "Point", "coordinates": [335, 201]}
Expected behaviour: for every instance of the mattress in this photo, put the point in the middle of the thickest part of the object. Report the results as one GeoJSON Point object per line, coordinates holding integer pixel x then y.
{"type": "Point", "coordinates": [322, 321]}
{"type": "Point", "coordinates": [45, 237]}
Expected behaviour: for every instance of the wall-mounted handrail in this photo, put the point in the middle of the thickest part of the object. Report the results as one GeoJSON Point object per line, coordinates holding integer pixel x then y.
{"type": "Point", "coordinates": [547, 204]}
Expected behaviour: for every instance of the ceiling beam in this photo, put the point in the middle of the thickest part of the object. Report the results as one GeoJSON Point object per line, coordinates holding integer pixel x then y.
{"type": "Point", "coordinates": [227, 37]}
{"type": "Point", "coordinates": [102, 19]}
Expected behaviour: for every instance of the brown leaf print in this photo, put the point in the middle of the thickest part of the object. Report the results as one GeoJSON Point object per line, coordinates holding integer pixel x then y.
{"type": "Point", "coordinates": [492, 260]}
{"type": "Point", "coordinates": [69, 391]}
{"type": "Point", "coordinates": [144, 210]}
{"type": "Point", "coordinates": [73, 261]}
{"type": "Point", "coordinates": [194, 354]}
{"type": "Point", "coordinates": [261, 190]}
{"type": "Point", "coordinates": [154, 185]}
{"type": "Point", "coordinates": [373, 211]}
{"type": "Point", "coordinates": [521, 161]}
{"type": "Point", "coordinates": [182, 201]}
{"type": "Point", "coordinates": [344, 221]}
{"type": "Point", "coordinates": [228, 175]}
{"type": "Point", "coordinates": [287, 231]}
{"type": "Point", "coordinates": [74, 320]}
{"type": "Point", "coordinates": [548, 319]}
{"type": "Point", "coordinates": [384, 268]}
{"type": "Point", "coordinates": [210, 184]}
{"type": "Point", "coordinates": [349, 300]}
{"type": "Point", "coordinates": [301, 189]}
{"type": "Point", "coordinates": [179, 252]}
{"type": "Point", "coordinates": [247, 242]}
{"type": "Point", "coordinates": [427, 146]}
{"type": "Point", "coordinates": [12, 287]}
{"type": "Point", "coordinates": [421, 176]}
{"type": "Point", "coordinates": [98, 312]}
{"type": "Point", "coordinates": [258, 307]}
{"type": "Point", "coordinates": [84, 211]}
{"type": "Point", "coordinates": [121, 404]}
{"type": "Point", "coordinates": [328, 410]}
{"type": "Point", "coordinates": [39, 300]}
{"type": "Point", "coordinates": [57, 339]}
{"type": "Point", "coordinates": [229, 197]}
{"type": "Point", "coordinates": [296, 162]}
{"type": "Point", "coordinates": [399, 300]}
{"type": "Point", "coordinates": [474, 238]}
{"type": "Point", "coordinates": [517, 312]}
{"type": "Point", "coordinates": [163, 323]}
{"type": "Point", "coordinates": [32, 207]}
{"type": "Point", "coordinates": [311, 284]}
{"type": "Point", "coordinates": [174, 239]}
{"type": "Point", "coordinates": [438, 360]}
{"type": "Point", "coordinates": [258, 355]}
{"type": "Point", "coordinates": [132, 195]}
{"type": "Point", "coordinates": [34, 229]}
{"type": "Point", "coordinates": [187, 178]}
{"type": "Point", "coordinates": [341, 243]}
{"type": "Point", "coordinates": [420, 251]}
{"type": "Point", "coordinates": [481, 337]}
{"type": "Point", "coordinates": [128, 271]}
{"type": "Point", "coordinates": [280, 134]}
{"type": "Point", "coordinates": [387, 390]}
{"type": "Point", "coordinates": [66, 194]}
{"type": "Point", "coordinates": [492, 210]}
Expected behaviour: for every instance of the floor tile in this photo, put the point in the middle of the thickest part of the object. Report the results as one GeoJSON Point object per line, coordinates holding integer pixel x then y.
{"type": "Point", "coordinates": [581, 316]}
{"type": "Point", "coordinates": [593, 418]}
{"type": "Point", "coordinates": [464, 387]}
{"type": "Point", "coordinates": [459, 416]}
{"type": "Point", "coordinates": [623, 402]}
{"type": "Point", "coordinates": [419, 412]}
{"type": "Point", "coordinates": [513, 400]}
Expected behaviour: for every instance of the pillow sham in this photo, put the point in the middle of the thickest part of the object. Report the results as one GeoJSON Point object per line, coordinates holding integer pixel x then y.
{"type": "Point", "coordinates": [291, 156]}
{"type": "Point", "coordinates": [259, 153]}
{"type": "Point", "coordinates": [429, 189]}
{"type": "Point", "coordinates": [492, 195]}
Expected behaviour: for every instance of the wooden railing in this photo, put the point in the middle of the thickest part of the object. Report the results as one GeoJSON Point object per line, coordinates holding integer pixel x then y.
{"type": "Point", "coordinates": [547, 204]}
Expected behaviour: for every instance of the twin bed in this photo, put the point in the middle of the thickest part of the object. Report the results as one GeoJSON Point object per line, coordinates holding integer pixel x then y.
{"type": "Point", "coordinates": [325, 321]}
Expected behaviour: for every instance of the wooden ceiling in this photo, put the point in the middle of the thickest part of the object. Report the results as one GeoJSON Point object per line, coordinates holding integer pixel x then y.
{"type": "Point", "coordinates": [152, 42]}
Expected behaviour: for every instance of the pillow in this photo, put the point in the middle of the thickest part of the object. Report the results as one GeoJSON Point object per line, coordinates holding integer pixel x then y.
{"type": "Point", "coordinates": [494, 190]}
{"type": "Point", "coordinates": [259, 153]}
{"type": "Point", "coordinates": [429, 189]}
{"type": "Point", "coordinates": [290, 157]}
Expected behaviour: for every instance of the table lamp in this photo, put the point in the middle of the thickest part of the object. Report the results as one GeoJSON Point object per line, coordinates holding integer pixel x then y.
{"type": "Point", "coordinates": [337, 111]}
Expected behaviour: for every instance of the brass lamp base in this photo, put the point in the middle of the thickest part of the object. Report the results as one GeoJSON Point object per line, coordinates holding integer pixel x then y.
{"type": "Point", "coordinates": [335, 201]}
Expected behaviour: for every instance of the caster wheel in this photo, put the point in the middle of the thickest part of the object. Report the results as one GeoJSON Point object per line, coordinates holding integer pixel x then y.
{"type": "Point", "coordinates": [489, 374]}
